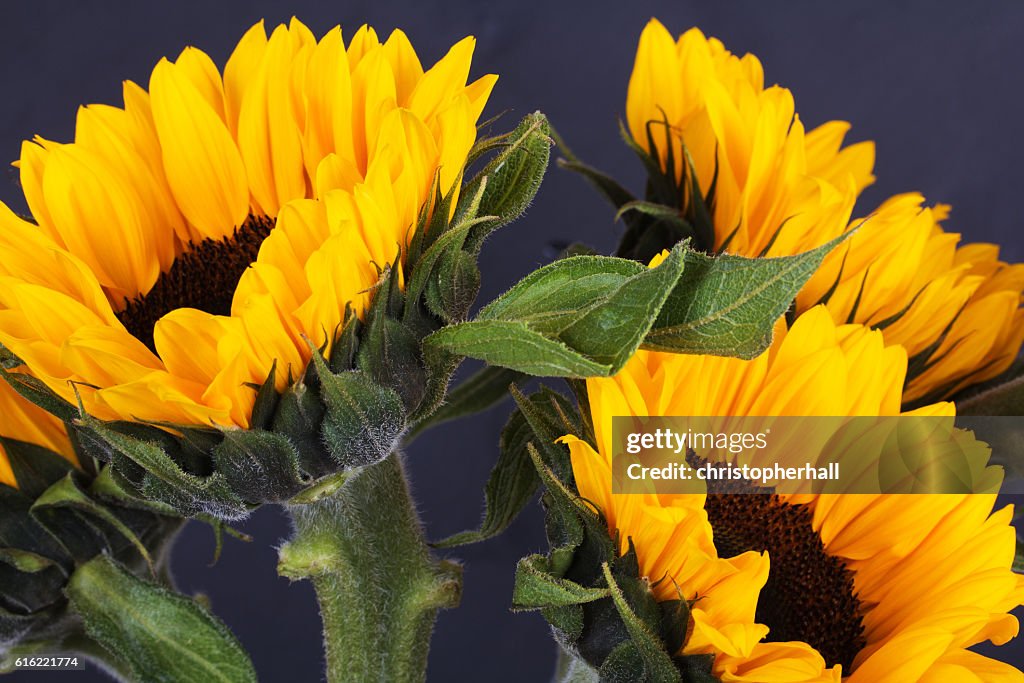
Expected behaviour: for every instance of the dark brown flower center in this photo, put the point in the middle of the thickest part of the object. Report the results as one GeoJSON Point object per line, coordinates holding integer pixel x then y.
{"type": "Point", "coordinates": [204, 277]}
{"type": "Point", "coordinates": [810, 594]}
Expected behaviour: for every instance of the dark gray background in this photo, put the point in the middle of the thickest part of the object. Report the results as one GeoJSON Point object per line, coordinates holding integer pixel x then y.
{"type": "Point", "coordinates": [936, 84]}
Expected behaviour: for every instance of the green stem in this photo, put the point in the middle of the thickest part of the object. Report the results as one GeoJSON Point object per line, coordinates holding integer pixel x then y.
{"type": "Point", "coordinates": [359, 540]}
{"type": "Point", "coordinates": [571, 669]}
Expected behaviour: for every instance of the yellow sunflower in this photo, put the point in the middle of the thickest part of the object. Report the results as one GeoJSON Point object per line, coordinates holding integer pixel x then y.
{"type": "Point", "coordinates": [778, 191]}
{"type": "Point", "coordinates": [153, 282]}
{"type": "Point", "coordinates": [23, 421]}
{"type": "Point", "coordinates": [868, 588]}
{"type": "Point", "coordinates": [955, 309]}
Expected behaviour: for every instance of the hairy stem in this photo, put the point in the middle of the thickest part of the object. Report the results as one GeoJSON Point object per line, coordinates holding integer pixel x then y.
{"type": "Point", "coordinates": [359, 539]}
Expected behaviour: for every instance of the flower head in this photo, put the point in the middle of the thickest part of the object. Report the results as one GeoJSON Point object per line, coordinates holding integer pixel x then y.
{"type": "Point", "coordinates": [808, 588]}
{"type": "Point", "coordinates": [955, 309]}
{"type": "Point", "coordinates": [153, 284]}
{"type": "Point", "coordinates": [774, 189]}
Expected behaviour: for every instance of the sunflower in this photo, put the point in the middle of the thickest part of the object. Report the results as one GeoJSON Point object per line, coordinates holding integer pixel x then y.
{"type": "Point", "coordinates": [152, 282]}
{"type": "Point", "coordinates": [25, 422]}
{"type": "Point", "coordinates": [775, 190]}
{"type": "Point", "coordinates": [955, 309]}
{"type": "Point", "coordinates": [811, 588]}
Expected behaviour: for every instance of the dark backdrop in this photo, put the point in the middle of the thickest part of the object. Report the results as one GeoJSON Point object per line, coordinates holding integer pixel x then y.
{"type": "Point", "coordinates": [936, 84]}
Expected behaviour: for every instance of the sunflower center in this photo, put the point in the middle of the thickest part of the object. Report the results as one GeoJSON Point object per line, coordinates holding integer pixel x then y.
{"type": "Point", "coordinates": [204, 277]}
{"type": "Point", "coordinates": [809, 595]}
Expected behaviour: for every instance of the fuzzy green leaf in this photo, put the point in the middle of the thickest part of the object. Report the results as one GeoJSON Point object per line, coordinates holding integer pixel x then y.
{"type": "Point", "coordinates": [657, 663]}
{"type": "Point", "coordinates": [513, 177]}
{"type": "Point", "coordinates": [727, 305]}
{"type": "Point", "coordinates": [162, 636]}
{"type": "Point", "coordinates": [579, 317]}
{"type": "Point", "coordinates": [536, 588]}
{"type": "Point", "coordinates": [512, 484]}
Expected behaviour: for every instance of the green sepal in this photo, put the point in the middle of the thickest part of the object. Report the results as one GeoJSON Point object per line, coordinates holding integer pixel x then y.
{"type": "Point", "coordinates": [577, 317]}
{"type": "Point", "coordinates": [267, 401]}
{"type": "Point", "coordinates": [161, 636]}
{"type": "Point", "coordinates": [477, 393]}
{"type": "Point", "coordinates": [513, 177]}
{"type": "Point", "coordinates": [38, 393]}
{"type": "Point", "coordinates": [727, 305]}
{"type": "Point", "coordinates": [259, 465]}
{"type": "Point", "coordinates": [456, 286]}
{"type": "Point", "coordinates": [537, 588]}
{"type": "Point", "coordinates": [390, 355]}
{"type": "Point", "coordinates": [159, 476]}
{"type": "Point", "coordinates": [300, 412]}
{"type": "Point", "coordinates": [364, 421]}
{"type": "Point", "coordinates": [658, 666]}
{"type": "Point", "coordinates": [696, 668]}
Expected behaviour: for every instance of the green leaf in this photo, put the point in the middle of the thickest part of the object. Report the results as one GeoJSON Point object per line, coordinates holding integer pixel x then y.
{"type": "Point", "coordinates": [162, 636]}
{"type": "Point", "coordinates": [515, 345]}
{"type": "Point", "coordinates": [727, 305]}
{"type": "Point", "coordinates": [657, 663]}
{"type": "Point", "coordinates": [512, 484]}
{"type": "Point", "coordinates": [579, 317]}
{"type": "Point", "coordinates": [536, 588]}
{"type": "Point", "coordinates": [68, 495]}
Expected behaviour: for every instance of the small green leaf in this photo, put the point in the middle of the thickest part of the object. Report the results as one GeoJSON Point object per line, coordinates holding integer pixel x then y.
{"type": "Point", "coordinates": [513, 177]}
{"type": "Point", "coordinates": [512, 484]}
{"type": "Point", "coordinates": [515, 345]}
{"type": "Point", "coordinates": [536, 588]}
{"type": "Point", "coordinates": [579, 317]}
{"type": "Point", "coordinates": [163, 636]}
{"type": "Point", "coordinates": [67, 494]}
{"type": "Point", "coordinates": [658, 664]}
{"type": "Point", "coordinates": [727, 305]}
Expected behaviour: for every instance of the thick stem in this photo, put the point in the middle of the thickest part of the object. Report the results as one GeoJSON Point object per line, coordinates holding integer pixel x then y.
{"type": "Point", "coordinates": [360, 541]}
